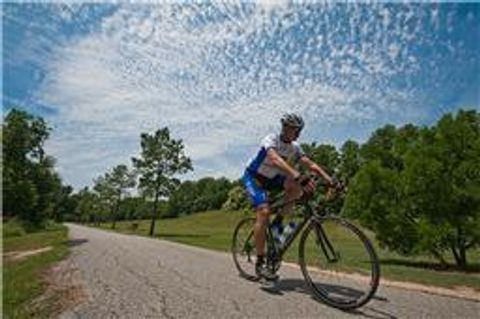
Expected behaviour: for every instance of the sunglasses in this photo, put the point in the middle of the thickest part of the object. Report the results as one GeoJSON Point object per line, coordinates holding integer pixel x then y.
{"type": "Point", "coordinates": [297, 130]}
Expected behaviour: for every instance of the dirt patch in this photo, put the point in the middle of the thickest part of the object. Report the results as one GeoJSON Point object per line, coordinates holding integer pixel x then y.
{"type": "Point", "coordinates": [20, 255]}
{"type": "Point", "coordinates": [64, 290]}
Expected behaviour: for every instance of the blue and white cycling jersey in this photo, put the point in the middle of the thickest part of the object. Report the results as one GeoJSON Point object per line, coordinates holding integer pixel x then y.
{"type": "Point", "coordinates": [261, 174]}
{"type": "Point", "coordinates": [261, 164]}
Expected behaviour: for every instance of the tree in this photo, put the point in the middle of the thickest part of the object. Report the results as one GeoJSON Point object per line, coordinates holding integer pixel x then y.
{"type": "Point", "coordinates": [180, 202]}
{"type": "Point", "coordinates": [48, 185]}
{"type": "Point", "coordinates": [86, 209]}
{"type": "Point", "coordinates": [376, 197]}
{"type": "Point", "coordinates": [161, 159]}
{"type": "Point", "coordinates": [30, 182]}
{"type": "Point", "coordinates": [105, 194]}
{"type": "Point", "coordinates": [328, 158]}
{"type": "Point", "coordinates": [65, 204]}
{"type": "Point", "coordinates": [19, 144]}
{"type": "Point", "coordinates": [237, 199]}
{"type": "Point", "coordinates": [119, 180]}
{"type": "Point", "coordinates": [380, 146]}
{"type": "Point", "coordinates": [443, 179]}
{"type": "Point", "coordinates": [196, 196]}
{"type": "Point", "coordinates": [137, 208]}
{"type": "Point", "coordinates": [420, 188]}
{"type": "Point", "coordinates": [23, 137]}
{"type": "Point", "coordinates": [112, 188]}
{"type": "Point", "coordinates": [350, 160]}
{"type": "Point", "coordinates": [324, 154]}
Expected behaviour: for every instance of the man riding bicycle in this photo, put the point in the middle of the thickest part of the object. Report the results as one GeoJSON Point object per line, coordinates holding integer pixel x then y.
{"type": "Point", "coordinates": [275, 167]}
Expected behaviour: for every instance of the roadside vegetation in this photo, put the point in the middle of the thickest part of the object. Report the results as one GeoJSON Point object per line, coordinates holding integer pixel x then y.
{"type": "Point", "coordinates": [35, 201]}
{"type": "Point", "coordinates": [27, 256]}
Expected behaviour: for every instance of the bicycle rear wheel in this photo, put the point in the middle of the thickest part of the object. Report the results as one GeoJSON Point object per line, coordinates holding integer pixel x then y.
{"type": "Point", "coordinates": [243, 248]}
{"type": "Point", "coordinates": [339, 263]}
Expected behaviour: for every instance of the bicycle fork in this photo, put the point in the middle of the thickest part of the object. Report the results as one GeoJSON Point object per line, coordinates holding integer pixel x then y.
{"type": "Point", "coordinates": [328, 250]}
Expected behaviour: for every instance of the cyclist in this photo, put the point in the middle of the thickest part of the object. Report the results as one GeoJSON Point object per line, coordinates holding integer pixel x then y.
{"type": "Point", "coordinates": [275, 167]}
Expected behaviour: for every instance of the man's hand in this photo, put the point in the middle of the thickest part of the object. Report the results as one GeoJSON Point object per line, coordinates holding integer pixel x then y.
{"type": "Point", "coordinates": [336, 185]}
{"type": "Point", "coordinates": [330, 181]}
{"type": "Point", "coordinates": [308, 185]}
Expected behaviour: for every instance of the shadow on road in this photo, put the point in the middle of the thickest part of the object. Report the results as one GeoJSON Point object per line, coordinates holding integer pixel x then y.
{"type": "Point", "coordinates": [283, 286]}
{"type": "Point", "coordinates": [76, 242]}
{"type": "Point", "coordinates": [370, 312]}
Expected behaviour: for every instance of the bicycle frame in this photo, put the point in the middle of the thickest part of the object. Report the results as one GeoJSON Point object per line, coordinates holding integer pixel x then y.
{"type": "Point", "coordinates": [308, 216]}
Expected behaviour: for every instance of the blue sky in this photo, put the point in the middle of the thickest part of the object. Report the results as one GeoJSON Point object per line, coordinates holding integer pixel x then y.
{"type": "Point", "coordinates": [220, 75]}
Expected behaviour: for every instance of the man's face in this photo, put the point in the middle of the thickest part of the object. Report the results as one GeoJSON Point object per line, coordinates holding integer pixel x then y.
{"type": "Point", "coordinates": [290, 133]}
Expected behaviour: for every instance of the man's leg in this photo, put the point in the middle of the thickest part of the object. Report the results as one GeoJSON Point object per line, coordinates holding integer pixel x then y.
{"type": "Point", "coordinates": [263, 213]}
{"type": "Point", "coordinates": [292, 191]}
{"type": "Point", "coordinates": [258, 197]}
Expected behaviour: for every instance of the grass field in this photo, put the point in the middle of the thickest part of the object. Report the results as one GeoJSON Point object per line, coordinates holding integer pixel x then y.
{"type": "Point", "coordinates": [22, 279]}
{"type": "Point", "coordinates": [214, 230]}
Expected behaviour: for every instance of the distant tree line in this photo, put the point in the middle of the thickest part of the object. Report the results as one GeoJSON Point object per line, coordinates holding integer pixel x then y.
{"type": "Point", "coordinates": [417, 188]}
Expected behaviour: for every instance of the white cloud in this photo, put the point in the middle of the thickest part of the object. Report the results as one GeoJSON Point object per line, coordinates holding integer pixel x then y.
{"type": "Point", "coordinates": [154, 66]}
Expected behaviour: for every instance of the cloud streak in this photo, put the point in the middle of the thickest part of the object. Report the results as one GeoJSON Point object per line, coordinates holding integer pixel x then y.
{"type": "Point", "coordinates": [220, 75]}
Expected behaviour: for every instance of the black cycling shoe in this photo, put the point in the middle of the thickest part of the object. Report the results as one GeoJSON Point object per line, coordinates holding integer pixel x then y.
{"type": "Point", "coordinates": [264, 272]}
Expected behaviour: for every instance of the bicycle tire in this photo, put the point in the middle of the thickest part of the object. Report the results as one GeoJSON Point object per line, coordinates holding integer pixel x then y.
{"type": "Point", "coordinates": [333, 227]}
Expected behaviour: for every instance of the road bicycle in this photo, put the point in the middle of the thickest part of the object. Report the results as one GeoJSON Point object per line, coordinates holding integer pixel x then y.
{"type": "Point", "coordinates": [337, 260]}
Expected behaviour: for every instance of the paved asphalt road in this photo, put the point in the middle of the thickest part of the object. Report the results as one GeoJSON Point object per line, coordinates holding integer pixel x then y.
{"type": "Point", "coordinates": [136, 277]}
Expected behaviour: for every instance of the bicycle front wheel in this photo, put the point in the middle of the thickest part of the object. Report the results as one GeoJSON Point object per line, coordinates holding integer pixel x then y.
{"type": "Point", "coordinates": [339, 263]}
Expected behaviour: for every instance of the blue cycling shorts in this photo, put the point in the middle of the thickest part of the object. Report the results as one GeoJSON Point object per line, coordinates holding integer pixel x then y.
{"type": "Point", "coordinates": [258, 185]}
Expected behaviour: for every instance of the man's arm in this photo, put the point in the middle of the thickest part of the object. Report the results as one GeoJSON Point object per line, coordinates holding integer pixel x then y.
{"type": "Point", "coordinates": [278, 161]}
{"type": "Point", "coordinates": [315, 168]}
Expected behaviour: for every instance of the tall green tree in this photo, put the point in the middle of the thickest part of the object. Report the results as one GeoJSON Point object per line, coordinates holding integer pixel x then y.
{"type": "Point", "coordinates": [120, 180]}
{"type": "Point", "coordinates": [65, 204]}
{"type": "Point", "coordinates": [48, 185]}
{"type": "Point", "coordinates": [105, 194]}
{"type": "Point", "coordinates": [87, 209]}
{"type": "Point", "coordinates": [381, 147]}
{"type": "Point", "coordinates": [112, 188]}
{"type": "Point", "coordinates": [443, 180]}
{"type": "Point", "coordinates": [29, 180]}
{"type": "Point", "coordinates": [420, 187]}
{"type": "Point", "coordinates": [350, 160]}
{"type": "Point", "coordinates": [325, 155]}
{"type": "Point", "coordinates": [19, 146]}
{"type": "Point", "coordinates": [160, 160]}
{"type": "Point", "coordinates": [24, 136]}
